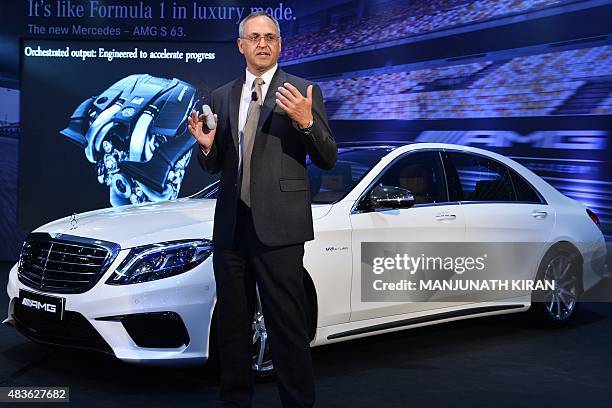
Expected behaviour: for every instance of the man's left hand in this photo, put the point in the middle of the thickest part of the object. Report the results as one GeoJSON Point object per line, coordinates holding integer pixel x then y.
{"type": "Point", "coordinates": [298, 107]}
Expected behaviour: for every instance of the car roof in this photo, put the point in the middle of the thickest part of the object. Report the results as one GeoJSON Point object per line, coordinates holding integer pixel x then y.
{"type": "Point", "coordinates": [398, 147]}
{"type": "Point", "coordinates": [373, 143]}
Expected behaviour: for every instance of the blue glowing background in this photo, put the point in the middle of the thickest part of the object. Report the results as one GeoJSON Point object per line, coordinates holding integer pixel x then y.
{"type": "Point", "coordinates": [530, 79]}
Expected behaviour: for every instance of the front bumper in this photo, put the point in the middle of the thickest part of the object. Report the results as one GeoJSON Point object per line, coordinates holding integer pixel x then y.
{"type": "Point", "coordinates": [137, 323]}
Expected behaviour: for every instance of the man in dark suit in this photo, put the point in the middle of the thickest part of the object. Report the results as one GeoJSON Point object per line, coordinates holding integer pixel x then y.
{"type": "Point", "coordinates": [267, 121]}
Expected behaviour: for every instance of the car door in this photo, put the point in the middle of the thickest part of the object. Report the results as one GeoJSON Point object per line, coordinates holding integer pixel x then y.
{"type": "Point", "coordinates": [502, 210]}
{"type": "Point", "coordinates": [432, 219]}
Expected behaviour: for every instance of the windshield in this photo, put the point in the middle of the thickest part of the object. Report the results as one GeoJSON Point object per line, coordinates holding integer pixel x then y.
{"type": "Point", "coordinates": [330, 186]}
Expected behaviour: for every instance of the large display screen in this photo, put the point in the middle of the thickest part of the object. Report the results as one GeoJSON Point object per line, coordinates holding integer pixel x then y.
{"type": "Point", "coordinates": [101, 125]}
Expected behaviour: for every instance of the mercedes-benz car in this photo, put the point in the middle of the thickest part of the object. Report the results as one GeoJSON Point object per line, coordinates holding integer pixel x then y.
{"type": "Point", "coordinates": [137, 281]}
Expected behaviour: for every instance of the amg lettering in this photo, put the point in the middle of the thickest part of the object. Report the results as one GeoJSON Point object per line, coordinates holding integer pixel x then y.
{"type": "Point", "coordinates": [542, 139]}
{"type": "Point", "coordinates": [48, 307]}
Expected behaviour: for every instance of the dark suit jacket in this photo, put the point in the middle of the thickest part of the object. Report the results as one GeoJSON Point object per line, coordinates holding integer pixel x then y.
{"type": "Point", "coordinates": [280, 198]}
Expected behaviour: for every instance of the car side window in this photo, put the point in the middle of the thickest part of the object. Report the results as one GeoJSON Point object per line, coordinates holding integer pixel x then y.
{"type": "Point", "coordinates": [421, 173]}
{"type": "Point", "coordinates": [524, 191]}
{"type": "Point", "coordinates": [480, 178]}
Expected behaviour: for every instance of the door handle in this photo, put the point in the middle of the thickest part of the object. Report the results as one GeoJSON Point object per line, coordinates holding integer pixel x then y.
{"type": "Point", "coordinates": [539, 214]}
{"type": "Point", "coordinates": [446, 217]}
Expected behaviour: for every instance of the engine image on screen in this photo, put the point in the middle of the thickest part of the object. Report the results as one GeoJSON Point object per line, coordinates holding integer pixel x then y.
{"type": "Point", "coordinates": [104, 123]}
{"type": "Point", "coordinates": [135, 133]}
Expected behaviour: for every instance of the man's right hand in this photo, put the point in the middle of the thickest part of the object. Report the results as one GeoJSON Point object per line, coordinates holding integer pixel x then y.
{"type": "Point", "coordinates": [203, 135]}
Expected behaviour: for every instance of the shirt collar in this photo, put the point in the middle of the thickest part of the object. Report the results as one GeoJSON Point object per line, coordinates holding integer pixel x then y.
{"type": "Point", "coordinates": [267, 77]}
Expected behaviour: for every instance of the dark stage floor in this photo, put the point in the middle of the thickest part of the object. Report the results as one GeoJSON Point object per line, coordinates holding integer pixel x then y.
{"type": "Point", "coordinates": [488, 362]}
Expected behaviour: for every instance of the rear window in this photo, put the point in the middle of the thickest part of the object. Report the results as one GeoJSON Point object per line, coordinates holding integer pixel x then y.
{"type": "Point", "coordinates": [481, 179]}
{"type": "Point", "coordinates": [524, 191]}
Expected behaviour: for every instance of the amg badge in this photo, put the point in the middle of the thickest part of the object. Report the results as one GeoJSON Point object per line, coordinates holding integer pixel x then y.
{"type": "Point", "coordinates": [48, 307]}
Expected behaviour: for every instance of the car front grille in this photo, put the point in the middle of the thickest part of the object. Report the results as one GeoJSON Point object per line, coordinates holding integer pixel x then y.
{"type": "Point", "coordinates": [64, 263]}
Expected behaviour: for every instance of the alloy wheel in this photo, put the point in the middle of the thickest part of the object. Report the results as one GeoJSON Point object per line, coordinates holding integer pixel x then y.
{"type": "Point", "coordinates": [560, 302]}
{"type": "Point", "coordinates": [262, 358]}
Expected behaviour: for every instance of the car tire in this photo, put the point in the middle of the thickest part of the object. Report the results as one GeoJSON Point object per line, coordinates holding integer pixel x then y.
{"type": "Point", "coordinates": [555, 308]}
{"type": "Point", "coordinates": [262, 365]}
{"type": "Point", "coordinates": [262, 369]}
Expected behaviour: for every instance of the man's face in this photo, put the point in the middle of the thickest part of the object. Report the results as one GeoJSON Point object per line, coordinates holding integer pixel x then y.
{"type": "Point", "coordinates": [260, 56]}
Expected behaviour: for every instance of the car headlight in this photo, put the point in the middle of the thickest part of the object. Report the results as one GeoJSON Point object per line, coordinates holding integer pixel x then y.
{"type": "Point", "coordinates": [157, 261]}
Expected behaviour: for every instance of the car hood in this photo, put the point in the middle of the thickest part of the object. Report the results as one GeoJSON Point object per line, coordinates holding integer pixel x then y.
{"type": "Point", "coordinates": [140, 224]}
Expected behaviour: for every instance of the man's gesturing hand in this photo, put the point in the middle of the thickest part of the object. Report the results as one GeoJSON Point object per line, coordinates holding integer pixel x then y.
{"type": "Point", "coordinates": [200, 132]}
{"type": "Point", "coordinates": [298, 107]}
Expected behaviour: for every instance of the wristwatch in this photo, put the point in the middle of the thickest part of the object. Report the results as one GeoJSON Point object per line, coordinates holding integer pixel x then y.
{"type": "Point", "coordinates": [308, 127]}
{"type": "Point", "coordinates": [204, 152]}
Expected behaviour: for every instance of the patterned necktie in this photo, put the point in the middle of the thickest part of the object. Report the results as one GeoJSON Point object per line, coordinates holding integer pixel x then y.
{"type": "Point", "coordinates": [248, 135]}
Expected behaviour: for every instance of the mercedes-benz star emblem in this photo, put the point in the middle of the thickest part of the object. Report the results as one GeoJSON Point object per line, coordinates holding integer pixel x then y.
{"type": "Point", "coordinates": [73, 221]}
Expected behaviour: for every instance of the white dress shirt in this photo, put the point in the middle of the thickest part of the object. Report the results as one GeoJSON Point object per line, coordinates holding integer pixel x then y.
{"type": "Point", "coordinates": [245, 101]}
{"type": "Point", "coordinates": [247, 90]}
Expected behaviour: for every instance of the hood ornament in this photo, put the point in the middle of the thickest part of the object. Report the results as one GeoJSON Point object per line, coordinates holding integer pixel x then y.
{"type": "Point", "coordinates": [74, 221]}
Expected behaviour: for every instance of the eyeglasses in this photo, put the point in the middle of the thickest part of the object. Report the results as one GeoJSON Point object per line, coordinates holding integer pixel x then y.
{"type": "Point", "coordinates": [268, 38]}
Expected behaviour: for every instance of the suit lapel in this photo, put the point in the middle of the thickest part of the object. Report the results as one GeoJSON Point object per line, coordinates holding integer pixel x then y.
{"type": "Point", "coordinates": [268, 106]}
{"type": "Point", "coordinates": [266, 109]}
{"type": "Point", "coordinates": [236, 93]}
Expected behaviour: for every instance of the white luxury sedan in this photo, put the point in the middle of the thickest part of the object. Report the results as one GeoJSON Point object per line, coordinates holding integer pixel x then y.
{"type": "Point", "coordinates": [137, 282]}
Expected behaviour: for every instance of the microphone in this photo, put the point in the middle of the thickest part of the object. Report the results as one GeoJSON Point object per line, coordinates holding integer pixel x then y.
{"type": "Point", "coordinates": [210, 119]}
{"type": "Point", "coordinates": [254, 96]}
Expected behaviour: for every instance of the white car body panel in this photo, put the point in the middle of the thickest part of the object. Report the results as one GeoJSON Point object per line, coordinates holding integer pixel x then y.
{"type": "Point", "coordinates": [327, 258]}
{"type": "Point", "coordinates": [400, 225]}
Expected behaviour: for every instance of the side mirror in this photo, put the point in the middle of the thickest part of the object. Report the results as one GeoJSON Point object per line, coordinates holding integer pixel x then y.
{"type": "Point", "coordinates": [391, 197]}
